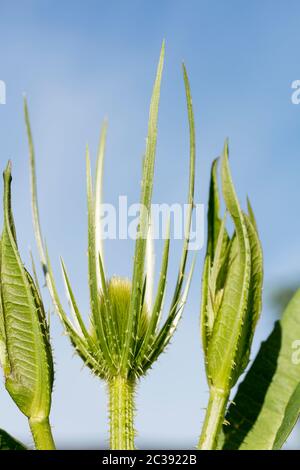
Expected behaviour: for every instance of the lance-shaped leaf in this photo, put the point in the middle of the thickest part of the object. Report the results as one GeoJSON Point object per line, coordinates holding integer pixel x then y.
{"type": "Point", "coordinates": [105, 328]}
{"type": "Point", "coordinates": [30, 376]}
{"type": "Point", "coordinates": [26, 354]}
{"type": "Point", "coordinates": [156, 343]}
{"type": "Point", "coordinates": [255, 292]}
{"type": "Point", "coordinates": [3, 350]}
{"type": "Point", "coordinates": [191, 191]}
{"type": "Point", "coordinates": [267, 404]}
{"type": "Point", "coordinates": [145, 205]}
{"type": "Point", "coordinates": [225, 342]}
{"type": "Point", "coordinates": [214, 223]}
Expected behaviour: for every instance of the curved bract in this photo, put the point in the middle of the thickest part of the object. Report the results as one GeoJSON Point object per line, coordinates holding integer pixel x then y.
{"type": "Point", "coordinates": [26, 356]}
{"type": "Point", "coordinates": [125, 337]}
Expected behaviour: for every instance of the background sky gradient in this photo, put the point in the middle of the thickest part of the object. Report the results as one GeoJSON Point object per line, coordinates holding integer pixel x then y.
{"type": "Point", "coordinates": [79, 62]}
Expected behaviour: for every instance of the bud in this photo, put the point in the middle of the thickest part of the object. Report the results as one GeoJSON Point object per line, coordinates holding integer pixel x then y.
{"type": "Point", "coordinates": [26, 356]}
{"type": "Point", "coordinates": [231, 297]}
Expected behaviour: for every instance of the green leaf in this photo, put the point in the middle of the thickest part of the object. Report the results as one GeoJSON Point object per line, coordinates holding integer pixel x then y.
{"type": "Point", "coordinates": [251, 214]}
{"type": "Point", "coordinates": [213, 214]}
{"type": "Point", "coordinates": [255, 292]}
{"type": "Point", "coordinates": [214, 224]}
{"type": "Point", "coordinates": [98, 199]}
{"type": "Point", "coordinates": [231, 299]}
{"type": "Point", "coordinates": [147, 342]}
{"type": "Point", "coordinates": [77, 317]}
{"type": "Point", "coordinates": [179, 297]}
{"type": "Point", "coordinates": [227, 340]}
{"type": "Point", "coordinates": [104, 333]}
{"type": "Point", "coordinates": [92, 357]}
{"type": "Point", "coordinates": [191, 191]}
{"type": "Point", "coordinates": [33, 186]}
{"type": "Point", "coordinates": [7, 442]}
{"type": "Point", "coordinates": [141, 242]}
{"type": "Point", "coordinates": [3, 350]}
{"type": "Point", "coordinates": [167, 330]}
{"type": "Point", "coordinates": [30, 376]}
{"type": "Point", "coordinates": [150, 266]}
{"type": "Point", "coordinates": [267, 403]}
{"type": "Point", "coordinates": [158, 343]}
{"type": "Point", "coordinates": [214, 297]}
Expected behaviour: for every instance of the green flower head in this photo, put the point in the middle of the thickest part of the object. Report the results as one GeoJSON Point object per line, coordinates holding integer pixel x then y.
{"type": "Point", "coordinates": [126, 337]}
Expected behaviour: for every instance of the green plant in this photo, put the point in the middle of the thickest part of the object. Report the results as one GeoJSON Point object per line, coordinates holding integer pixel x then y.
{"type": "Point", "coordinates": [125, 337]}
{"type": "Point", "coordinates": [267, 404]}
{"type": "Point", "coordinates": [231, 299]}
{"type": "Point", "coordinates": [25, 352]}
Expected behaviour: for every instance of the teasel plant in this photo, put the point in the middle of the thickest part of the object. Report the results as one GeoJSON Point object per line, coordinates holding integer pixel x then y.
{"type": "Point", "coordinates": [127, 332]}
{"type": "Point", "coordinates": [25, 351]}
{"type": "Point", "coordinates": [231, 298]}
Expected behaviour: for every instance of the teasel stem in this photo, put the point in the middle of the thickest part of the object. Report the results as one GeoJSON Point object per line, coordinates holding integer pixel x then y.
{"type": "Point", "coordinates": [214, 419]}
{"type": "Point", "coordinates": [121, 413]}
{"type": "Point", "coordinates": [42, 434]}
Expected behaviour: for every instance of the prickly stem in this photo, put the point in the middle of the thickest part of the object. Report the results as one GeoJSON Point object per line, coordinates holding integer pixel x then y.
{"type": "Point", "coordinates": [121, 413]}
{"type": "Point", "coordinates": [214, 418]}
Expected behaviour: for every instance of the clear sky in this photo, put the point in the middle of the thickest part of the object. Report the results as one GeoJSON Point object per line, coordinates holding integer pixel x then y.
{"type": "Point", "coordinates": [79, 62]}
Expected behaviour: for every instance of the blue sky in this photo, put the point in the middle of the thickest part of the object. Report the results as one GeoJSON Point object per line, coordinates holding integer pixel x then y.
{"type": "Point", "coordinates": [79, 62]}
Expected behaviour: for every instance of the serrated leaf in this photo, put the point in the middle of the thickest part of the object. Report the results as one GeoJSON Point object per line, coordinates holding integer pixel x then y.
{"type": "Point", "coordinates": [145, 201]}
{"type": "Point", "coordinates": [30, 376]}
{"type": "Point", "coordinates": [214, 223]}
{"type": "Point", "coordinates": [255, 292]}
{"type": "Point", "coordinates": [267, 403]}
{"type": "Point", "coordinates": [3, 350]}
{"type": "Point", "coordinates": [224, 345]}
{"type": "Point", "coordinates": [213, 214]}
